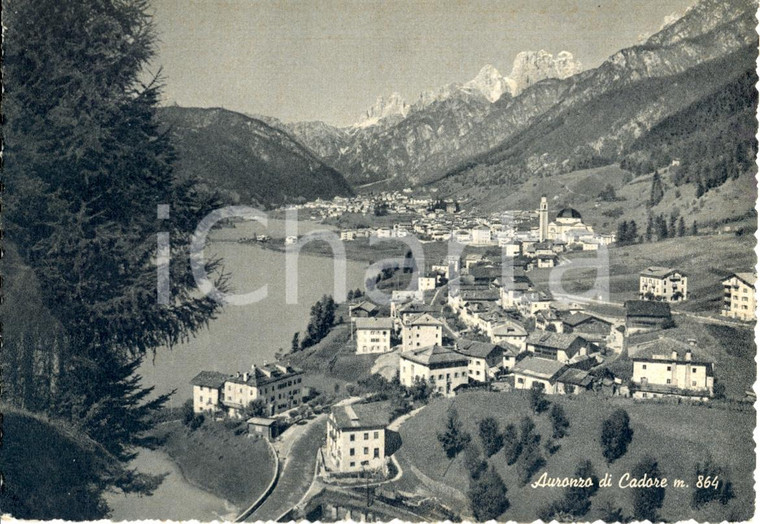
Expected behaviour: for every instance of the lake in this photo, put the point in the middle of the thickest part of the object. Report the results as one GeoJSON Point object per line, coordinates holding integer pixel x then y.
{"type": "Point", "coordinates": [174, 499]}
{"type": "Point", "coordinates": [251, 334]}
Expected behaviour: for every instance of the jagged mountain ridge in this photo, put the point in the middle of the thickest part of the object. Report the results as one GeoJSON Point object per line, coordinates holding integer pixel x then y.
{"type": "Point", "coordinates": [246, 159]}
{"type": "Point", "coordinates": [426, 144]}
{"type": "Point", "coordinates": [603, 111]}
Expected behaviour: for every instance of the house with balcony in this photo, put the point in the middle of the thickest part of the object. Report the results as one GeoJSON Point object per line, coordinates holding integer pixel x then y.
{"type": "Point", "coordinates": [739, 296]}
{"type": "Point", "coordinates": [669, 367]}
{"type": "Point", "coordinates": [561, 347]}
{"type": "Point", "coordinates": [551, 376]}
{"type": "Point", "coordinates": [662, 283]}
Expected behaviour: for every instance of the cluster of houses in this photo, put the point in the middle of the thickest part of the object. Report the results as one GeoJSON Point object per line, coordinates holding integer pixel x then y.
{"type": "Point", "coordinates": [429, 220]}
{"type": "Point", "coordinates": [494, 329]}
{"type": "Point", "coordinates": [671, 285]}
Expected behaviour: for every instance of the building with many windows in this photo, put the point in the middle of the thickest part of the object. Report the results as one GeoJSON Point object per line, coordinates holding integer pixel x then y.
{"type": "Point", "coordinates": [663, 283]}
{"type": "Point", "coordinates": [373, 334]}
{"type": "Point", "coordinates": [440, 366]}
{"type": "Point", "coordinates": [356, 437]}
{"type": "Point", "coordinates": [278, 387]}
{"type": "Point", "coordinates": [669, 367]}
{"type": "Point", "coordinates": [421, 331]}
{"type": "Point", "coordinates": [739, 296]}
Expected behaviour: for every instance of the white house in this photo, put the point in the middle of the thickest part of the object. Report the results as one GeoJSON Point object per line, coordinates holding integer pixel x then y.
{"type": "Point", "coordinates": [669, 367]}
{"type": "Point", "coordinates": [422, 331]}
{"type": "Point", "coordinates": [739, 296]}
{"type": "Point", "coordinates": [662, 283]}
{"type": "Point", "coordinates": [373, 334]}
{"type": "Point", "coordinates": [440, 366]}
{"type": "Point", "coordinates": [356, 437]}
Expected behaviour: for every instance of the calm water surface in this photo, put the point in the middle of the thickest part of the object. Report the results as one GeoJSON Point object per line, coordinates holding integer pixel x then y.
{"type": "Point", "coordinates": [175, 498]}
{"type": "Point", "coordinates": [244, 335]}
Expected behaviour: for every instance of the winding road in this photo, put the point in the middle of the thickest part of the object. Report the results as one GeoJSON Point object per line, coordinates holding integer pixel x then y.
{"type": "Point", "coordinates": [296, 475]}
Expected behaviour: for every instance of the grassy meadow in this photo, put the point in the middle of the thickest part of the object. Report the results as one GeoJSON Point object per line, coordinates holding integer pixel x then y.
{"type": "Point", "coordinates": [706, 259]}
{"type": "Point", "coordinates": [223, 461]}
{"type": "Point", "coordinates": [677, 436]}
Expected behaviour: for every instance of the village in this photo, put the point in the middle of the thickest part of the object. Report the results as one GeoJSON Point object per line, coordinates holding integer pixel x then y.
{"type": "Point", "coordinates": [468, 325]}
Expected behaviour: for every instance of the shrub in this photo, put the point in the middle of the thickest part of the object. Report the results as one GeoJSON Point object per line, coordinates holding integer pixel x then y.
{"type": "Point", "coordinates": [616, 435]}
{"type": "Point", "coordinates": [490, 436]}
{"type": "Point", "coordinates": [197, 421]}
{"type": "Point", "coordinates": [473, 461]}
{"type": "Point", "coordinates": [710, 483]}
{"type": "Point", "coordinates": [560, 423]}
{"type": "Point", "coordinates": [488, 496]}
{"type": "Point", "coordinates": [538, 402]}
{"type": "Point", "coordinates": [454, 438]}
{"type": "Point", "coordinates": [647, 501]}
{"type": "Point", "coordinates": [512, 445]}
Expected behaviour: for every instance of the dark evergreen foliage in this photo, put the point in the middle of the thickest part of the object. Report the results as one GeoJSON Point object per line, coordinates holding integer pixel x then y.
{"type": "Point", "coordinates": [647, 501]}
{"type": "Point", "coordinates": [616, 435]}
{"type": "Point", "coordinates": [488, 496]}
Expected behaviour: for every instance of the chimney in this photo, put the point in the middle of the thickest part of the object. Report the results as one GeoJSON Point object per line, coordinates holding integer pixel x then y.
{"type": "Point", "coordinates": [245, 377]}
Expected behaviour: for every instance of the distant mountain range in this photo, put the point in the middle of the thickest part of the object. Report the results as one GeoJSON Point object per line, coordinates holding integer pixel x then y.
{"type": "Point", "coordinates": [547, 117]}
{"type": "Point", "coordinates": [592, 114]}
{"type": "Point", "coordinates": [246, 159]}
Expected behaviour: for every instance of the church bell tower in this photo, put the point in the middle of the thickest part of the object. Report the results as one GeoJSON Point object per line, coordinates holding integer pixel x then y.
{"type": "Point", "coordinates": [543, 220]}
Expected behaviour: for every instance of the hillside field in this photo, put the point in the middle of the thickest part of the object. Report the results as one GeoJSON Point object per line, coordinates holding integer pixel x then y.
{"type": "Point", "coordinates": [677, 436]}
{"type": "Point", "coordinates": [706, 259]}
{"type": "Point", "coordinates": [218, 459]}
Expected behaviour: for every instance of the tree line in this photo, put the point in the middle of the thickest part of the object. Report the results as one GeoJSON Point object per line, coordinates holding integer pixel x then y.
{"type": "Point", "coordinates": [86, 167]}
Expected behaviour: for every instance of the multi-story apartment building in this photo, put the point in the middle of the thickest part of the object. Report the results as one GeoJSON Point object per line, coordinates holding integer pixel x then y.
{"type": "Point", "coordinates": [440, 366]}
{"type": "Point", "coordinates": [662, 283]}
{"type": "Point", "coordinates": [739, 296]}
{"type": "Point", "coordinates": [668, 367]}
{"type": "Point", "coordinates": [356, 437]}
{"type": "Point", "coordinates": [373, 334]}
{"type": "Point", "coordinates": [424, 330]}
{"type": "Point", "coordinates": [279, 387]}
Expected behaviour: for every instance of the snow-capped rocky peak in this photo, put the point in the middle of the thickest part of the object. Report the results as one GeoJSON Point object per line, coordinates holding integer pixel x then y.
{"type": "Point", "coordinates": [384, 107]}
{"type": "Point", "coordinates": [490, 83]}
{"type": "Point", "coordinates": [530, 67]}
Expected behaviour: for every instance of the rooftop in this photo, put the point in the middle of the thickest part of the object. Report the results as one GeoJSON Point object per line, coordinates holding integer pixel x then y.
{"type": "Point", "coordinates": [475, 348]}
{"type": "Point", "coordinates": [576, 319]}
{"type": "Point", "coordinates": [425, 319]}
{"type": "Point", "coordinates": [539, 367]}
{"type": "Point", "coordinates": [647, 308]}
{"type": "Point", "coordinates": [260, 375]}
{"type": "Point", "coordinates": [374, 323]}
{"type": "Point", "coordinates": [431, 355]}
{"type": "Point", "coordinates": [576, 377]}
{"type": "Point", "coordinates": [746, 277]}
{"type": "Point", "coordinates": [569, 212]}
{"type": "Point", "coordinates": [659, 272]}
{"type": "Point", "coordinates": [362, 416]}
{"type": "Point", "coordinates": [551, 340]}
{"type": "Point", "coordinates": [210, 379]}
{"type": "Point", "coordinates": [662, 348]}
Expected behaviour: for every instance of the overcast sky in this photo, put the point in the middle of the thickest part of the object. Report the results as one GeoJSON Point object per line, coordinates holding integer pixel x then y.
{"type": "Point", "coordinates": [330, 59]}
